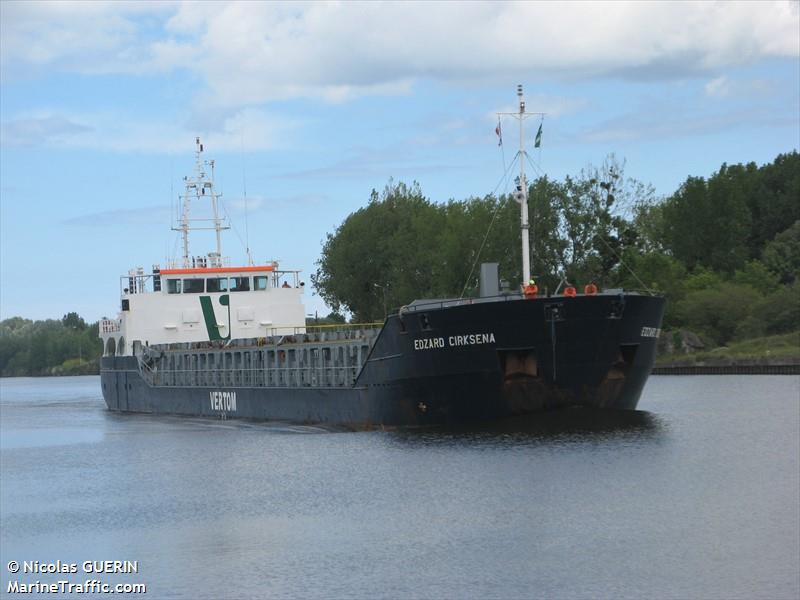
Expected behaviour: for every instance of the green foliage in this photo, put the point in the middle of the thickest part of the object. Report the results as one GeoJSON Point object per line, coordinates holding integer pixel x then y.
{"type": "Point", "coordinates": [728, 219]}
{"type": "Point", "coordinates": [653, 271]}
{"type": "Point", "coordinates": [47, 347]}
{"type": "Point", "coordinates": [73, 321]}
{"type": "Point", "coordinates": [592, 232]}
{"type": "Point", "coordinates": [757, 276]}
{"type": "Point", "coordinates": [775, 200]}
{"type": "Point", "coordinates": [782, 254]}
{"type": "Point", "coordinates": [706, 223]}
{"type": "Point", "coordinates": [657, 272]}
{"type": "Point", "coordinates": [759, 349]}
{"type": "Point", "coordinates": [716, 312]}
{"type": "Point", "coordinates": [384, 248]}
{"type": "Point", "coordinates": [703, 279]}
{"type": "Point", "coordinates": [465, 225]}
{"type": "Point", "coordinates": [333, 318]}
{"type": "Point", "coordinates": [779, 311]}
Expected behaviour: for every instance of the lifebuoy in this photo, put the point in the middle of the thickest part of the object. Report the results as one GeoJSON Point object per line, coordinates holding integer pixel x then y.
{"type": "Point", "coordinates": [590, 289]}
{"type": "Point", "coordinates": [530, 291]}
{"type": "Point", "coordinates": [570, 292]}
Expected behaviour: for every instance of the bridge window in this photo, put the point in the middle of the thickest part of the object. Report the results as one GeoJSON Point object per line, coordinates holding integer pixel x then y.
{"type": "Point", "coordinates": [260, 282]}
{"type": "Point", "coordinates": [192, 286]}
{"type": "Point", "coordinates": [217, 284]}
{"type": "Point", "coordinates": [240, 284]}
{"type": "Point", "coordinates": [173, 286]}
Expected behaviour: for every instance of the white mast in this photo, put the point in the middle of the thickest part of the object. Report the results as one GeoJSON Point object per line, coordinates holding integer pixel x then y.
{"type": "Point", "coordinates": [199, 187]}
{"type": "Point", "coordinates": [522, 190]}
{"type": "Point", "coordinates": [217, 221]}
{"type": "Point", "coordinates": [521, 193]}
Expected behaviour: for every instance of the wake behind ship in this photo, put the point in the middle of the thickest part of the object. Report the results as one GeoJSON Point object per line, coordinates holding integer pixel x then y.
{"type": "Point", "coordinates": [205, 338]}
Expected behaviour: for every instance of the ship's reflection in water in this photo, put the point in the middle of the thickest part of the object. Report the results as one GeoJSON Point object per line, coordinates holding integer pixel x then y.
{"type": "Point", "coordinates": [579, 425]}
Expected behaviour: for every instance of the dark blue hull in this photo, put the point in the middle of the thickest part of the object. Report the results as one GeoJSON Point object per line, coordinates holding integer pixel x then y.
{"type": "Point", "coordinates": [438, 364]}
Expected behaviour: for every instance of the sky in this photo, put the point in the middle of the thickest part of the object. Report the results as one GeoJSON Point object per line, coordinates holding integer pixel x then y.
{"type": "Point", "coordinates": [306, 107]}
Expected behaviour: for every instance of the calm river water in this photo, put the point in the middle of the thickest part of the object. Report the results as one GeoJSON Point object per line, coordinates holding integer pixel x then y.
{"type": "Point", "coordinates": [697, 496]}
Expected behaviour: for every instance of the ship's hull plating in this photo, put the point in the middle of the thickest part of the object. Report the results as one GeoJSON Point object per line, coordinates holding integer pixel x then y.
{"type": "Point", "coordinates": [443, 365]}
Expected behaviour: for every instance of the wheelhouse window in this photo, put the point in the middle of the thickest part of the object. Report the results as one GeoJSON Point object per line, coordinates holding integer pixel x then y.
{"type": "Point", "coordinates": [192, 286]}
{"type": "Point", "coordinates": [240, 284]}
{"type": "Point", "coordinates": [260, 282]}
{"type": "Point", "coordinates": [173, 286]}
{"type": "Point", "coordinates": [217, 284]}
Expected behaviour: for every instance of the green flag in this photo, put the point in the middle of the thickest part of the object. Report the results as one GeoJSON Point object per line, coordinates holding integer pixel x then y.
{"type": "Point", "coordinates": [538, 142]}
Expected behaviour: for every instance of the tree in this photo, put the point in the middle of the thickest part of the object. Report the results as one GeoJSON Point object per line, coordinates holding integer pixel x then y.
{"type": "Point", "coordinates": [391, 244]}
{"type": "Point", "coordinates": [43, 347]}
{"type": "Point", "coordinates": [757, 276]}
{"type": "Point", "coordinates": [685, 216]}
{"type": "Point", "coordinates": [773, 201]}
{"type": "Point", "coordinates": [782, 255]}
{"type": "Point", "coordinates": [717, 312]}
{"type": "Point", "coordinates": [72, 320]}
{"type": "Point", "coordinates": [707, 223]}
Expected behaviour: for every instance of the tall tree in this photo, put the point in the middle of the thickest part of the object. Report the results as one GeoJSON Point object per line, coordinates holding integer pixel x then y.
{"type": "Point", "coordinates": [383, 254]}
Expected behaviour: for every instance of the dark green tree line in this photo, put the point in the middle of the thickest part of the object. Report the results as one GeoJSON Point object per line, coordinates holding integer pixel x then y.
{"type": "Point", "coordinates": [50, 347]}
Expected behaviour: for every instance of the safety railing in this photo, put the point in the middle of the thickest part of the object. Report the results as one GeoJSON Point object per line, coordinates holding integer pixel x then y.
{"type": "Point", "coordinates": [301, 376]}
{"type": "Point", "coordinates": [109, 326]}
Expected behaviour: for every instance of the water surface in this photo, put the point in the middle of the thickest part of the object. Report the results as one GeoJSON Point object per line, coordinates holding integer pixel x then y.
{"type": "Point", "coordinates": [695, 496]}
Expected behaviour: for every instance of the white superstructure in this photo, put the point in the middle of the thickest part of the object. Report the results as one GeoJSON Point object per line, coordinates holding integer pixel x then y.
{"type": "Point", "coordinates": [203, 299]}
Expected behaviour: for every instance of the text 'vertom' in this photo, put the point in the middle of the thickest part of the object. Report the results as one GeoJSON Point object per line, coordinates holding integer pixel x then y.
{"type": "Point", "coordinates": [223, 401]}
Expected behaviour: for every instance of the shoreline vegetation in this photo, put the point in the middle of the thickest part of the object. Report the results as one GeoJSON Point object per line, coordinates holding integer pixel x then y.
{"type": "Point", "coordinates": [723, 250]}
{"type": "Point", "coordinates": [781, 350]}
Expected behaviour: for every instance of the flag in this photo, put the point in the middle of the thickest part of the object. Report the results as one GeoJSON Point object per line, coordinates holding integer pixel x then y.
{"type": "Point", "coordinates": [499, 133]}
{"type": "Point", "coordinates": [538, 142]}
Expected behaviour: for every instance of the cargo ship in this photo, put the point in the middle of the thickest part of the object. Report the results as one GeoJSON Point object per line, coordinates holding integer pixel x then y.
{"type": "Point", "coordinates": [201, 337]}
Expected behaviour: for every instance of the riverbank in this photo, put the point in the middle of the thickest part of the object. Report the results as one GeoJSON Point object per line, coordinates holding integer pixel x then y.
{"type": "Point", "coordinates": [770, 355]}
{"type": "Point", "coordinates": [728, 369]}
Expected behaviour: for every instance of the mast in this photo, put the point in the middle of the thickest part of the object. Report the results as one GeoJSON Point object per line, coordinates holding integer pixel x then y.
{"type": "Point", "coordinates": [217, 221]}
{"type": "Point", "coordinates": [196, 188]}
{"type": "Point", "coordinates": [522, 191]}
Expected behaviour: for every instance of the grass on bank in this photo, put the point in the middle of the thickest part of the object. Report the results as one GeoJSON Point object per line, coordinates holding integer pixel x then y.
{"type": "Point", "coordinates": [773, 348]}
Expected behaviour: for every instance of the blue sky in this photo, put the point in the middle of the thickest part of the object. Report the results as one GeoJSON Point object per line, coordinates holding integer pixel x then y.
{"type": "Point", "coordinates": [309, 106]}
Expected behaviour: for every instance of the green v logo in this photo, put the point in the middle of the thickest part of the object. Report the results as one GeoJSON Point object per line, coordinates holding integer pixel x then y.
{"type": "Point", "coordinates": [210, 318]}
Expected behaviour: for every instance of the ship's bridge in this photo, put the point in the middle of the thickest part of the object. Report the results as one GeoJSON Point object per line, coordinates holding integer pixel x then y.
{"type": "Point", "coordinates": [203, 303]}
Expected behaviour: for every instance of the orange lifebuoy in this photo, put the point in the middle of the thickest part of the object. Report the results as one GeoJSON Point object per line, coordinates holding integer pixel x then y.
{"type": "Point", "coordinates": [530, 291]}
{"type": "Point", "coordinates": [570, 292]}
{"type": "Point", "coordinates": [590, 289]}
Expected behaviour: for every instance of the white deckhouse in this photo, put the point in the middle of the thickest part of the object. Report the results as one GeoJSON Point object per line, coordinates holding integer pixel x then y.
{"type": "Point", "coordinates": [204, 298]}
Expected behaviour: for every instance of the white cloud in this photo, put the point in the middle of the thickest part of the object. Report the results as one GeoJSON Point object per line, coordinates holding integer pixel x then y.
{"type": "Point", "coordinates": [121, 217]}
{"type": "Point", "coordinates": [724, 87]}
{"type": "Point", "coordinates": [241, 205]}
{"type": "Point", "coordinates": [84, 37]}
{"type": "Point", "coordinates": [34, 131]}
{"type": "Point", "coordinates": [252, 52]}
{"type": "Point", "coordinates": [718, 87]}
{"type": "Point", "coordinates": [552, 106]}
{"type": "Point", "coordinates": [661, 125]}
{"type": "Point", "coordinates": [243, 130]}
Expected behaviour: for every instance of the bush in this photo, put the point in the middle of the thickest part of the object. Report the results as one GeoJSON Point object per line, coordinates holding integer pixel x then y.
{"type": "Point", "coordinates": [717, 312]}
